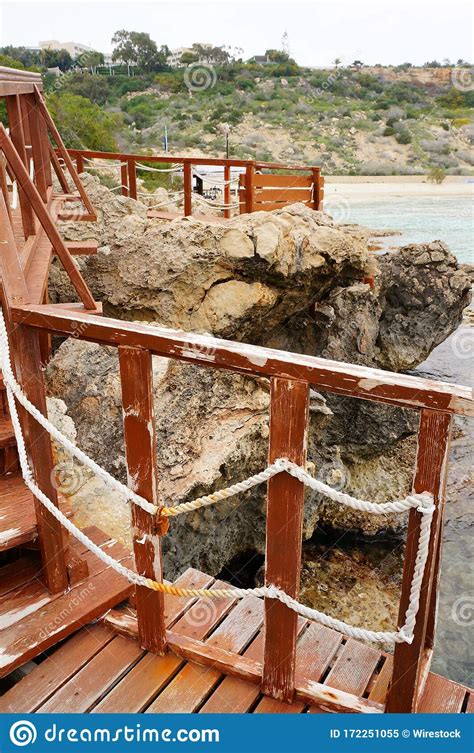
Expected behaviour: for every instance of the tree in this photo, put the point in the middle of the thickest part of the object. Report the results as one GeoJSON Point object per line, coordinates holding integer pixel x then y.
{"type": "Point", "coordinates": [28, 58]}
{"type": "Point", "coordinates": [137, 48]}
{"type": "Point", "coordinates": [358, 64]}
{"type": "Point", "coordinates": [188, 57]}
{"type": "Point", "coordinates": [337, 62]}
{"type": "Point", "coordinates": [56, 59]}
{"type": "Point", "coordinates": [213, 55]}
{"type": "Point", "coordinates": [90, 60]}
{"type": "Point", "coordinates": [277, 56]}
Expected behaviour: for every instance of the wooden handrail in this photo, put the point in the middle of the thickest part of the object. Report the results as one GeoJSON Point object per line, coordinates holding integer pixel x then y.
{"type": "Point", "coordinates": [128, 176]}
{"type": "Point", "coordinates": [335, 377]}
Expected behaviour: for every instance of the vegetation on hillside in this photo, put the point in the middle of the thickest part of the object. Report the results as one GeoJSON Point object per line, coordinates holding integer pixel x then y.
{"type": "Point", "coordinates": [345, 119]}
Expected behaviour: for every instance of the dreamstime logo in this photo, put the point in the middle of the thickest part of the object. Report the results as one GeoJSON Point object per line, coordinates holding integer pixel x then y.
{"type": "Point", "coordinates": [199, 77]}
{"type": "Point", "coordinates": [462, 343]}
{"type": "Point", "coordinates": [463, 79]}
{"type": "Point", "coordinates": [339, 209]}
{"type": "Point", "coordinates": [67, 478]}
{"type": "Point", "coordinates": [204, 612]}
{"type": "Point", "coordinates": [23, 733]}
{"type": "Point", "coordinates": [462, 611]}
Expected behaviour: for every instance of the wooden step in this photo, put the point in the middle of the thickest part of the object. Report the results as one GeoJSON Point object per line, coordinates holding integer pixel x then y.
{"type": "Point", "coordinates": [81, 248]}
{"type": "Point", "coordinates": [32, 620]}
{"type": "Point", "coordinates": [17, 512]}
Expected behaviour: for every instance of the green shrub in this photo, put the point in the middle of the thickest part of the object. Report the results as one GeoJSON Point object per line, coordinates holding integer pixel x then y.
{"type": "Point", "coordinates": [403, 136]}
{"type": "Point", "coordinates": [82, 124]}
{"type": "Point", "coordinates": [389, 131]}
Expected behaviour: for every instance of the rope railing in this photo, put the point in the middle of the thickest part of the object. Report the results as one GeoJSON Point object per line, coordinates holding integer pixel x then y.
{"type": "Point", "coordinates": [208, 179]}
{"type": "Point", "coordinates": [423, 502]}
{"type": "Point", "coordinates": [146, 168]}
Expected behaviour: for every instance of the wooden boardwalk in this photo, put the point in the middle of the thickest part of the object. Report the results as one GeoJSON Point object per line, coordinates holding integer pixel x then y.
{"type": "Point", "coordinates": [98, 670]}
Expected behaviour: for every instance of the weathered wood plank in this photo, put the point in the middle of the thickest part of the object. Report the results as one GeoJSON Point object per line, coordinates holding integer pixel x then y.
{"type": "Point", "coordinates": [140, 449]}
{"type": "Point", "coordinates": [353, 668]}
{"type": "Point", "coordinates": [236, 696]}
{"type": "Point", "coordinates": [247, 669]}
{"type": "Point", "coordinates": [45, 219]}
{"type": "Point", "coordinates": [65, 613]}
{"type": "Point", "coordinates": [430, 476]}
{"type": "Point", "coordinates": [194, 683]}
{"type": "Point", "coordinates": [51, 126]}
{"type": "Point", "coordinates": [91, 683]}
{"type": "Point", "coordinates": [441, 696]}
{"type": "Point", "coordinates": [37, 687]}
{"type": "Point", "coordinates": [329, 376]}
{"type": "Point", "coordinates": [146, 680]}
{"type": "Point", "coordinates": [288, 426]}
{"type": "Point", "coordinates": [281, 195]}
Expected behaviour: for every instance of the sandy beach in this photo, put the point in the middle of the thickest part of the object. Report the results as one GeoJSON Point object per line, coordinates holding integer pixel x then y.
{"type": "Point", "coordinates": [380, 188]}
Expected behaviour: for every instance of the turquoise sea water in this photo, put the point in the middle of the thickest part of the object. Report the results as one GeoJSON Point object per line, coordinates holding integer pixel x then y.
{"type": "Point", "coordinates": [446, 218]}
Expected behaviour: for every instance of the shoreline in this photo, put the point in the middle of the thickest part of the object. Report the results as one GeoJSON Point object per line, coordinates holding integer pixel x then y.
{"type": "Point", "coordinates": [381, 188]}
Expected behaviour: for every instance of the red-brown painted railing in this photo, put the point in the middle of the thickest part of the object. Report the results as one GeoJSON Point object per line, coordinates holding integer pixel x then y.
{"type": "Point", "coordinates": [248, 193]}
{"type": "Point", "coordinates": [291, 376]}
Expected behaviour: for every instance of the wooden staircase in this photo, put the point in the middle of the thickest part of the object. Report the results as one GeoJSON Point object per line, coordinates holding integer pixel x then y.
{"type": "Point", "coordinates": [31, 618]}
{"type": "Point", "coordinates": [49, 587]}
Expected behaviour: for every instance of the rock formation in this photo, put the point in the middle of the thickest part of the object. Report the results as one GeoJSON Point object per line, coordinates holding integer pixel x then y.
{"type": "Point", "coordinates": [290, 279]}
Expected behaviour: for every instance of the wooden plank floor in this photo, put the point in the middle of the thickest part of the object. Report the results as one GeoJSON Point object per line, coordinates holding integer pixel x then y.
{"type": "Point", "coordinates": [100, 671]}
{"type": "Point", "coordinates": [17, 512]}
{"type": "Point", "coordinates": [33, 620]}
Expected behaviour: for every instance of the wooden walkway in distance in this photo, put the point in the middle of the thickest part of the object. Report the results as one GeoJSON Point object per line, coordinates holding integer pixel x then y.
{"type": "Point", "coordinates": [98, 670]}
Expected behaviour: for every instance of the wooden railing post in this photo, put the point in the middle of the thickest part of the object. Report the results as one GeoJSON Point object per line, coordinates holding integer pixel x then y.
{"type": "Point", "coordinates": [188, 189]}
{"type": "Point", "coordinates": [124, 178]}
{"type": "Point", "coordinates": [249, 187]}
{"type": "Point", "coordinates": [140, 449]}
{"type": "Point", "coordinates": [37, 146]}
{"type": "Point", "coordinates": [316, 187]}
{"type": "Point", "coordinates": [430, 476]}
{"type": "Point", "coordinates": [132, 179]}
{"type": "Point", "coordinates": [79, 163]}
{"type": "Point", "coordinates": [288, 426]}
{"type": "Point", "coordinates": [17, 135]}
{"type": "Point", "coordinates": [227, 191]}
{"type": "Point", "coordinates": [38, 443]}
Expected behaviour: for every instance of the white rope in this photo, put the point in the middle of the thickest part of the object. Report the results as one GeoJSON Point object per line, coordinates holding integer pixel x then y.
{"type": "Point", "coordinates": [146, 168]}
{"type": "Point", "coordinates": [218, 205]}
{"type": "Point", "coordinates": [12, 385]}
{"type": "Point", "coordinates": [103, 163]}
{"type": "Point", "coordinates": [214, 180]}
{"type": "Point", "coordinates": [423, 503]}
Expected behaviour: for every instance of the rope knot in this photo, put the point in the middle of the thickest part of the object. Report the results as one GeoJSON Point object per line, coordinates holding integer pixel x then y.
{"type": "Point", "coordinates": [405, 638]}
{"type": "Point", "coordinates": [424, 502]}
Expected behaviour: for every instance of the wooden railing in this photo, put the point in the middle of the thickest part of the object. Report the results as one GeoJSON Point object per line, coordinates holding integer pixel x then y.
{"type": "Point", "coordinates": [292, 183]}
{"type": "Point", "coordinates": [291, 377]}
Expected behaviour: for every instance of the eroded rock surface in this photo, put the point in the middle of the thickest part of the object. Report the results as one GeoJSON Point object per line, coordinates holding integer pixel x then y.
{"type": "Point", "coordinates": [288, 279]}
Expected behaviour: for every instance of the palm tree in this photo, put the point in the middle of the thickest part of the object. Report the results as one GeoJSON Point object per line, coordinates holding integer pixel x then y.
{"type": "Point", "coordinates": [337, 62]}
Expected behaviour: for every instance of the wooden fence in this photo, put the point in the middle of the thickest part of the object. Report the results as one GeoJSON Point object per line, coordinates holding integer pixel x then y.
{"type": "Point", "coordinates": [260, 188]}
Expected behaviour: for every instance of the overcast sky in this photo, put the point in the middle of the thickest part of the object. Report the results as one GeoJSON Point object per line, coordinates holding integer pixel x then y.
{"type": "Point", "coordinates": [374, 32]}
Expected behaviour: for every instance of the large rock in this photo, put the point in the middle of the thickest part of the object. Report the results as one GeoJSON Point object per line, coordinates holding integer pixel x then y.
{"type": "Point", "coordinates": [288, 279]}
